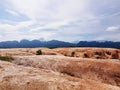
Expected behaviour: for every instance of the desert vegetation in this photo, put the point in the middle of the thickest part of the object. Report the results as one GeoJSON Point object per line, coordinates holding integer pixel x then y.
{"type": "Point", "coordinates": [39, 52]}
{"type": "Point", "coordinates": [6, 58]}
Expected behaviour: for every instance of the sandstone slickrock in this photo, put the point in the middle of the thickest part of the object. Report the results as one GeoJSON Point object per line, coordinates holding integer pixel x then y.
{"type": "Point", "coordinates": [99, 70]}
{"type": "Point", "coordinates": [60, 69]}
{"type": "Point", "coordinates": [13, 77]}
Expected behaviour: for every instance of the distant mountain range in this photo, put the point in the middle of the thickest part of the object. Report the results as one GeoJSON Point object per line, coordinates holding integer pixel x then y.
{"type": "Point", "coordinates": [35, 43]}
{"type": "Point", "coordinates": [55, 43]}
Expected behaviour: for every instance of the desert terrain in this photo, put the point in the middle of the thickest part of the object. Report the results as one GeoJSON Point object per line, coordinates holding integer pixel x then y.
{"type": "Point", "coordinates": [60, 69]}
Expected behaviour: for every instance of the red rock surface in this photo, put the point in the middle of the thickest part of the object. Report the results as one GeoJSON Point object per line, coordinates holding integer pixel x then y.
{"type": "Point", "coordinates": [98, 70]}
{"type": "Point", "coordinates": [95, 53]}
{"type": "Point", "coordinates": [61, 69]}
{"type": "Point", "coordinates": [98, 53]}
{"type": "Point", "coordinates": [13, 77]}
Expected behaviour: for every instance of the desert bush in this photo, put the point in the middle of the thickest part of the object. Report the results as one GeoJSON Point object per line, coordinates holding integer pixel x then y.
{"type": "Point", "coordinates": [6, 58]}
{"type": "Point", "coordinates": [39, 52]}
{"type": "Point", "coordinates": [72, 54]}
{"type": "Point", "coordinates": [85, 55]}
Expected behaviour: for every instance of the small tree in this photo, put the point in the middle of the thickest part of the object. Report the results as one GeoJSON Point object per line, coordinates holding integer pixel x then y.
{"type": "Point", "coordinates": [39, 52]}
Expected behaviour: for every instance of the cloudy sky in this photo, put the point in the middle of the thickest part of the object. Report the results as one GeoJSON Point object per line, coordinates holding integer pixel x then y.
{"type": "Point", "coordinates": [67, 20]}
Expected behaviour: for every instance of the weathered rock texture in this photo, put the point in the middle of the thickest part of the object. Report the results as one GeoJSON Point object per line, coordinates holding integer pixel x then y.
{"type": "Point", "coordinates": [95, 53]}
{"type": "Point", "coordinates": [98, 53]}
{"type": "Point", "coordinates": [13, 77]}
{"type": "Point", "coordinates": [60, 69]}
{"type": "Point", "coordinates": [105, 71]}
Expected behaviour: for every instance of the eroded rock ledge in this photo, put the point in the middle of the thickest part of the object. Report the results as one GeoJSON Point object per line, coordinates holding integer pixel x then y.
{"type": "Point", "coordinates": [13, 77]}
{"type": "Point", "coordinates": [104, 71]}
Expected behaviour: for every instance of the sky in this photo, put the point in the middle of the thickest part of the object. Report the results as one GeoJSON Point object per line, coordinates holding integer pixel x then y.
{"type": "Point", "coordinates": [66, 20]}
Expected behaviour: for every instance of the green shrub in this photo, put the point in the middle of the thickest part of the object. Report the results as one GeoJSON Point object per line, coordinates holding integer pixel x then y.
{"type": "Point", "coordinates": [6, 58]}
{"type": "Point", "coordinates": [39, 52]}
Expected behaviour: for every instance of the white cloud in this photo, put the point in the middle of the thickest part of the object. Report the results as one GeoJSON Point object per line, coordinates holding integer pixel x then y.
{"type": "Point", "coordinates": [16, 32]}
{"type": "Point", "coordinates": [109, 37]}
{"type": "Point", "coordinates": [12, 12]}
{"type": "Point", "coordinates": [70, 18]}
{"type": "Point", "coordinates": [0, 36]}
{"type": "Point", "coordinates": [17, 26]}
{"type": "Point", "coordinates": [53, 25]}
{"type": "Point", "coordinates": [13, 31]}
{"type": "Point", "coordinates": [113, 28]}
{"type": "Point", "coordinates": [19, 36]}
{"type": "Point", "coordinates": [51, 14]}
{"type": "Point", "coordinates": [53, 9]}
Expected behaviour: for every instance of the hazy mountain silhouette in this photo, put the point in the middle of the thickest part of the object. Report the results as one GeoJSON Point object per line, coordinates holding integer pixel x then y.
{"type": "Point", "coordinates": [55, 43]}
{"type": "Point", "coordinates": [35, 43]}
{"type": "Point", "coordinates": [104, 44]}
